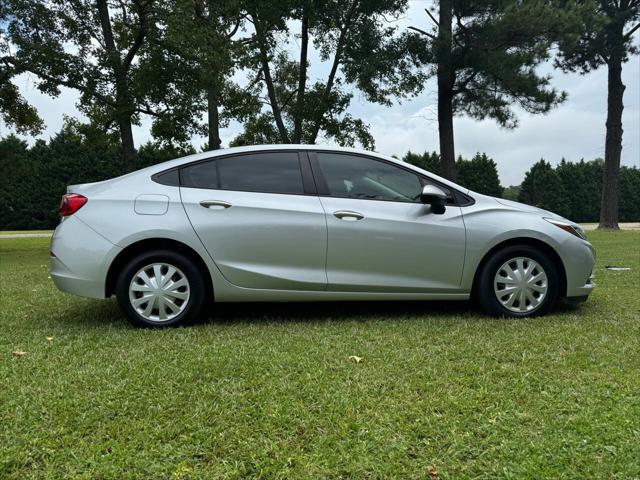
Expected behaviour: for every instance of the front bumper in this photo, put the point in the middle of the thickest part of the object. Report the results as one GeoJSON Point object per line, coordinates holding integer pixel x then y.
{"type": "Point", "coordinates": [579, 259]}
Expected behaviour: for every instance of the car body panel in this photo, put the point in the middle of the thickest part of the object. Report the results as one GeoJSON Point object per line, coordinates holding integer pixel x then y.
{"type": "Point", "coordinates": [381, 257]}
{"type": "Point", "coordinates": [490, 222]}
{"type": "Point", "coordinates": [396, 247]}
{"type": "Point", "coordinates": [80, 258]}
{"type": "Point", "coordinates": [262, 240]}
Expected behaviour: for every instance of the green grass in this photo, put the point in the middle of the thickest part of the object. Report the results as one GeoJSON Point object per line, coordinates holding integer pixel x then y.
{"type": "Point", "coordinates": [267, 391]}
{"type": "Point", "coordinates": [14, 232]}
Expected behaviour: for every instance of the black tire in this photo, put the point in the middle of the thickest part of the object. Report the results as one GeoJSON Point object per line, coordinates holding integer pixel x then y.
{"type": "Point", "coordinates": [198, 295]}
{"type": "Point", "coordinates": [486, 296]}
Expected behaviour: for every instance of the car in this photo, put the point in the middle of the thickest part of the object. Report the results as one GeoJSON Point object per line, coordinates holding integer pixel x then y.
{"type": "Point", "coordinates": [280, 223]}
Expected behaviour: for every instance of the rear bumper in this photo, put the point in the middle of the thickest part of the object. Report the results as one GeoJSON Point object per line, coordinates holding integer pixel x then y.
{"type": "Point", "coordinates": [80, 259]}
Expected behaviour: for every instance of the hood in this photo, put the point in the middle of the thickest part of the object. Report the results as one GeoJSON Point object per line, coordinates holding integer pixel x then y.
{"type": "Point", "coordinates": [528, 208]}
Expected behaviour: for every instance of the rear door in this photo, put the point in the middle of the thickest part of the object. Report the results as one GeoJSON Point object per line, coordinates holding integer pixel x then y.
{"type": "Point", "coordinates": [381, 238]}
{"type": "Point", "coordinates": [259, 218]}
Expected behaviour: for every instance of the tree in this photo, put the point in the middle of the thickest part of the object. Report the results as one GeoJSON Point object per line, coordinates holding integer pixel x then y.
{"type": "Point", "coordinates": [92, 47]}
{"type": "Point", "coordinates": [35, 177]}
{"type": "Point", "coordinates": [512, 192]}
{"type": "Point", "coordinates": [543, 188]}
{"type": "Point", "coordinates": [583, 183]}
{"type": "Point", "coordinates": [15, 111]}
{"type": "Point", "coordinates": [479, 174]}
{"type": "Point", "coordinates": [196, 54]}
{"type": "Point", "coordinates": [629, 194]}
{"type": "Point", "coordinates": [605, 38]}
{"type": "Point", "coordinates": [357, 42]}
{"type": "Point", "coordinates": [484, 55]}
{"type": "Point", "coordinates": [429, 161]}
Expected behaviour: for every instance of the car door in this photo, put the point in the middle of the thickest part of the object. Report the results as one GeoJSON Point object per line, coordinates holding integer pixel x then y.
{"type": "Point", "coordinates": [380, 237]}
{"type": "Point", "coordinates": [259, 218]}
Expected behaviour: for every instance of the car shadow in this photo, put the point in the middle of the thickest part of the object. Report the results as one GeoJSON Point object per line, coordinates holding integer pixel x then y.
{"type": "Point", "coordinates": [96, 313]}
{"type": "Point", "coordinates": [335, 311]}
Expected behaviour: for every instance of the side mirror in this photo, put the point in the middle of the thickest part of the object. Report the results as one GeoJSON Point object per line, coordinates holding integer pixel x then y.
{"type": "Point", "coordinates": [432, 195]}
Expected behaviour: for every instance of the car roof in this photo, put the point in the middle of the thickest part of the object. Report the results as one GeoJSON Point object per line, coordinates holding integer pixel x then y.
{"type": "Point", "coordinates": [280, 147]}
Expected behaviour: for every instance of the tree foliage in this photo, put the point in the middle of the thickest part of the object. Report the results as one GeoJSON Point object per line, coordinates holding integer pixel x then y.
{"type": "Point", "coordinates": [15, 111]}
{"type": "Point", "coordinates": [90, 46]}
{"type": "Point", "coordinates": [484, 55]}
{"type": "Point", "coordinates": [355, 41]}
{"type": "Point", "coordinates": [605, 37]}
{"type": "Point", "coordinates": [543, 188]}
{"type": "Point", "coordinates": [34, 178]}
{"type": "Point", "coordinates": [429, 161]}
{"type": "Point", "coordinates": [479, 173]}
{"type": "Point", "coordinates": [197, 51]}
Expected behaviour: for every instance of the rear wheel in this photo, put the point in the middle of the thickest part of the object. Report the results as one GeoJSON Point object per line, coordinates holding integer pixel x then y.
{"type": "Point", "coordinates": [518, 281]}
{"type": "Point", "coordinates": [161, 288]}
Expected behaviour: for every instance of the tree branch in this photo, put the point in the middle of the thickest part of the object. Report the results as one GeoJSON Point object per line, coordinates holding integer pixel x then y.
{"type": "Point", "coordinates": [632, 31]}
{"type": "Point", "coordinates": [431, 36]}
{"type": "Point", "coordinates": [268, 80]}
{"type": "Point", "coordinates": [73, 85]}
{"type": "Point", "coordinates": [302, 79]}
{"type": "Point", "coordinates": [432, 17]}
{"type": "Point", "coordinates": [137, 42]}
{"type": "Point", "coordinates": [234, 30]}
{"type": "Point", "coordinates": [334, 69]}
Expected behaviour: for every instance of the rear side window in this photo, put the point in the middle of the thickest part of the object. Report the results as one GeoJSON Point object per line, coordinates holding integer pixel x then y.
{"type": "Point", "coordinates": [200, 175]}
{"type": "Point", "coordinates": [170, 178]}
{"type": "Point", "coordinates": [277, 172]}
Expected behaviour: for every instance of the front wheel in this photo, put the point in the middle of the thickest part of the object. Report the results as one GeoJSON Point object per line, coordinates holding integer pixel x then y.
{"type": "Point", "coordinates": [161, 288]}
{"type": "Point", "coordinates": [518, 281]}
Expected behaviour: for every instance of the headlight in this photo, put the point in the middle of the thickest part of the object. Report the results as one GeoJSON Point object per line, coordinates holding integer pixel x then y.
{"type": "Point", "coordinates": [572, 228]}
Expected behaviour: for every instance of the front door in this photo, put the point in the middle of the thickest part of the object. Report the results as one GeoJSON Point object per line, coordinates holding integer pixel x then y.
{"type": "Point", "coordinates": [380, 237]}
{"type": "Point", "coordinates": [255, 218]}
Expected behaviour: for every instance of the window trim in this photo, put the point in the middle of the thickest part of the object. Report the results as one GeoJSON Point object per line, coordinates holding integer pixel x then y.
{"type": "Point", "coordinates": [308, 186]}
{"type": "Point", "coordinates": [312, 179]}
{"type": "Point", "coordinates": [460, 199]}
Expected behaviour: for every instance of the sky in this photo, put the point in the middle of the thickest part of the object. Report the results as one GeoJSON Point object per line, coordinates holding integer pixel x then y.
{"type": "Point", "coordinates": [574, 130]}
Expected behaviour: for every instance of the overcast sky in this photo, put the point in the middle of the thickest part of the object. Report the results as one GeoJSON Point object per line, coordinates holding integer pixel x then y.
{"type": "Point", "coordinates": [574, 130]}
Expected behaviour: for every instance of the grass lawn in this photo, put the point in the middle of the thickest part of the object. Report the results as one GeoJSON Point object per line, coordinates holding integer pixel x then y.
{"type": "Point", "coordinates": [267, 391]}
{"type": "Point", "coordinates": [23, 232]}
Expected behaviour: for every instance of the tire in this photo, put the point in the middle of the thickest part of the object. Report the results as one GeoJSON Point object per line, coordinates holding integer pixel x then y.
{"type": "Point", "coordinates": [180, 300]}
{"type": "Point", "coordinates": [505, 299]}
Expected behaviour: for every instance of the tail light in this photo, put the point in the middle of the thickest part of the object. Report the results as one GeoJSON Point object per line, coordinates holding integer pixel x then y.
{"type": "Point", "coordinates": [71, 203]}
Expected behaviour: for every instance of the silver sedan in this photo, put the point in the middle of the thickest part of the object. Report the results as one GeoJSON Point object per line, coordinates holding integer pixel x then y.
{"type": "Point", "coordinates": [308, 223]}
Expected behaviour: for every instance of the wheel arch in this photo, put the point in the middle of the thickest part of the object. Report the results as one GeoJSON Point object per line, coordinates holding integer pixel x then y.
{"type": "Point", "coordinates": [528, 241]}
{"type": "Point", "coordinates": [152, 244]}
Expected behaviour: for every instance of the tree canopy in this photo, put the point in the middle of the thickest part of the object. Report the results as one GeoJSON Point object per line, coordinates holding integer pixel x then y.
{"type": "Point", "coordinates": [484, 55]}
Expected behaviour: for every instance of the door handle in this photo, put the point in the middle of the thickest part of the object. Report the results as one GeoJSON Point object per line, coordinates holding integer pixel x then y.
{"type": "Point", "coordinates": [348, 216]}
{"type": "Point", "coordinates": [215, 204]}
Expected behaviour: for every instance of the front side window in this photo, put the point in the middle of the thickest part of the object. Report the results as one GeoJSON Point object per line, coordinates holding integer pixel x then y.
{"type": "Point", "coordinates": [351, 176]}
{"type": "Point", "coordinates": [271, 172]}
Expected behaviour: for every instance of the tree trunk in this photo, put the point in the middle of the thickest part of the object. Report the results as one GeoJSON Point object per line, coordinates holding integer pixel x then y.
{"type": "Point", "coordinates": [613, 145]}
{"type": "Point", "coordinates": [128, 147]}
{"type": "Point", "coordinates": [213, 119]}
{"type": "Point", "coordinates": [124, 112]}
{"type": "Point", "coordinates": [446, 79]}
{"type": "Point", "coordinates": [302, 80]}
{"type": "Point", "coordinates": [268, 80]}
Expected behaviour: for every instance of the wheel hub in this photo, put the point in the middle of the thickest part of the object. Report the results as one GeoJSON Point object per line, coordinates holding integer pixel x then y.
{"type": "Point", "coordinates": [159, 292]}
{"type": "Point", "coordinates": [521, 285]}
